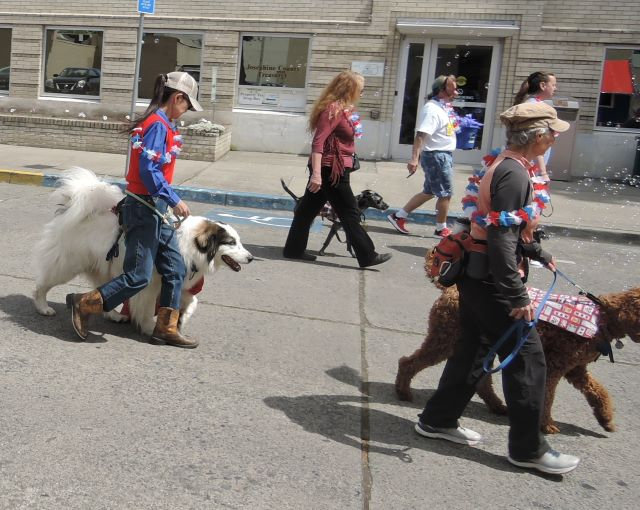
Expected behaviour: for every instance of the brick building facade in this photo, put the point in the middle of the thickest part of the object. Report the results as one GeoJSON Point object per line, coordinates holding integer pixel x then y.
{"type": "Point", "coordinates": [262, 64]}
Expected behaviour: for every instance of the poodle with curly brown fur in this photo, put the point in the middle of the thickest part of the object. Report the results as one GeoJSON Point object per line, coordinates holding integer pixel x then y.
{"type": "Point", "coordinates": [567, 354]}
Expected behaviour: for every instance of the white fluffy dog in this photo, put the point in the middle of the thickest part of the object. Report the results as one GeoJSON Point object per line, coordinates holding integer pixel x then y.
{"type": "Point", "coordinates": [77, 240]}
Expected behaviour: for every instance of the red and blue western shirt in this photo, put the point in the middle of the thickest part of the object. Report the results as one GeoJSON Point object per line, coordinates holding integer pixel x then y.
{"type": "Point", "coordinates": [155, 144]}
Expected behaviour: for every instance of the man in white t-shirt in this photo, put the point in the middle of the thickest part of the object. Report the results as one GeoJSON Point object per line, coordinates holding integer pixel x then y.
{"type": "Point", "coordinates": [434, 144]}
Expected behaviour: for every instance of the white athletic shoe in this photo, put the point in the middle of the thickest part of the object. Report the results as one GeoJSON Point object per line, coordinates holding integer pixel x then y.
{"type": "Point", "coordinates": [552, 462]}
{"type": "Point", "coordinates": [458, 435]}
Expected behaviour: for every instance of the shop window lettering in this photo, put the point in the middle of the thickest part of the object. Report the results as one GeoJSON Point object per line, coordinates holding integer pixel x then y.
{"type": "Point", "coordinates": [273, 72]}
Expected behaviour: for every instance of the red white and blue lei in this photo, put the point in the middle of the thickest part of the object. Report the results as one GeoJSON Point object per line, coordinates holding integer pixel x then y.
{"type": "Point", "coordinates": [150, 154]}
{"type": "Point", "coordinates": [504, 218]}
{"type": "Point", "coordinates": [354, 120]}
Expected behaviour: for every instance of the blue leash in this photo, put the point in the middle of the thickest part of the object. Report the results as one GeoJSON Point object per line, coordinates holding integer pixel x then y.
{"type": "Point", "coordinates": [522, 327]}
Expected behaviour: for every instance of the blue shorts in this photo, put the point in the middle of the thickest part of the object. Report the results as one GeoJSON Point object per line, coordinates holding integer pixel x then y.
{"type": "Point", "coordinates": [438, 173]}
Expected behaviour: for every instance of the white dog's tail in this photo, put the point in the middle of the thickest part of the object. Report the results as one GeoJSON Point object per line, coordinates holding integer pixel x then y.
{"type": "Point", "coordinates": [83, 222]}
{"type": "Point", "coordinates": [81, 194]}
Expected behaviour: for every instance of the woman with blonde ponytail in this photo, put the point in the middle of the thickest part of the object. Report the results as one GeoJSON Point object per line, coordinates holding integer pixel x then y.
{"type": "Point", "coordinates": [335, 125]}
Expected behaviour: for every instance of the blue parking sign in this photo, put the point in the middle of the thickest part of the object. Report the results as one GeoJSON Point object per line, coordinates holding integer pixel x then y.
{"type": "Point", "coordinates": [146, 6]}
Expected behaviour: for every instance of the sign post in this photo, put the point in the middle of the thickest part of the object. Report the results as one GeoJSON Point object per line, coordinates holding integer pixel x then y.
{"type": "Point", "coordinates": [144, 7]}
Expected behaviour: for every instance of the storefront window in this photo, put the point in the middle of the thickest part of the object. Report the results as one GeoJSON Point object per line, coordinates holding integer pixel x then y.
{"type": "Point", "coordinates": [5, 58]}
{"type": "Point", "coordinates": [73, 62]}
{"type": "Point", "coordinates": [273, 72]}
{"type": "Point", "coordinates": [619, 101]}
{"type": "Point", "coordinates": [165, 53]}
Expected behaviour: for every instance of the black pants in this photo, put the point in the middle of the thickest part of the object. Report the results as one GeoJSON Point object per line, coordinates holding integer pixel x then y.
{"type": "Point", "coordinates": [344, 204]}
{"type": "Point", "coordinates": [484, 316]}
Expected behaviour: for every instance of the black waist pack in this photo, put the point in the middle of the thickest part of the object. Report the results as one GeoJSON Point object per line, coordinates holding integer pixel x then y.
{"type": "Point", "coordinates": [448, 260]}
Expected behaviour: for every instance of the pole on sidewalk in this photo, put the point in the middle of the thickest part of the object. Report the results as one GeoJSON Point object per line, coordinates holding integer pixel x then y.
{"type": "Point", "coordinates": [134, 95]}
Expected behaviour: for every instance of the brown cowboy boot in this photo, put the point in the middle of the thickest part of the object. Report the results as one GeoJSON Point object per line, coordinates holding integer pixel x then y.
{"type": "Point", "coordinates": [166, 330]}
{"type": "Point", "coordinates": [83, 305]}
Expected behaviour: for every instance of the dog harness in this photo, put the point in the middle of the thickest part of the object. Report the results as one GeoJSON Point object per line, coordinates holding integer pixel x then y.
{"type": "Point", "coordinates": [522, 328]}
{"type": "Point", "coordinates": [575, 314]}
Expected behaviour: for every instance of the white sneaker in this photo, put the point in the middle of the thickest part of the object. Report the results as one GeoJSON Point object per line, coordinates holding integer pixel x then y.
{"type": "Point", "coordinates": [551, 462]}
{"type": "Point", "coordinates": [458, 435]}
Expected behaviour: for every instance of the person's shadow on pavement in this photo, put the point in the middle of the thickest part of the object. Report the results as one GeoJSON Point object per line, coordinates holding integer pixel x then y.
{"type": "Point", "coordinates": [345, 419]}
{"type": "Point", "coordinates": [327, 260]}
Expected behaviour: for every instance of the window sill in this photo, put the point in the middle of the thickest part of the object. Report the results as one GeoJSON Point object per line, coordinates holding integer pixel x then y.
{"type": "Point", "coordinates": [243, 110]}
{"type": "Point", "coordinates": [70, 99]}
{"type": "Point", "coordinates": [628, 131]}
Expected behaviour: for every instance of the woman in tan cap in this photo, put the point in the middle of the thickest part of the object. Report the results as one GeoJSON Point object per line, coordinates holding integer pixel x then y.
{"type": "Point", "coordinates": [150, 241]}
{"type": "Point", "coordinates": [503, 208]}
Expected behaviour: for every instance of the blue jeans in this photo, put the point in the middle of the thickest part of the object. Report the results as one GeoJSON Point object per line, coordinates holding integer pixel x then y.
{"type": "Point", "coordinates": [438, 173]}
{"type": "Point", "coordinates": [148, 242]}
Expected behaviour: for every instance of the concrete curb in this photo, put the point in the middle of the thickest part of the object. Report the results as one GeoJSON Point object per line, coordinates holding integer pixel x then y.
{"type": "Point", "coordinates": [21, 177]}
{"type": "Point", "coordinates": [280, 203]}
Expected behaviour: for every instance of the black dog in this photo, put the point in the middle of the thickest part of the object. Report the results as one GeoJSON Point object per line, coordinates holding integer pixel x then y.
{"type": "Point", "coordinates": [364, 200]}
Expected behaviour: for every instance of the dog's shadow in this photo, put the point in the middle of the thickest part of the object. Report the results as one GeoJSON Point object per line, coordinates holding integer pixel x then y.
{"type": "Point", "coordinates": [21, 311]}
{"type": "Point", "coordinates": [342, 418]}
{"type": "Point", "coordinates": [264, 252]}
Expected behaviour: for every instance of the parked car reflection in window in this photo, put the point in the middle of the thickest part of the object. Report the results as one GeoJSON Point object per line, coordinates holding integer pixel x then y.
{"type": "Point", "coordinates": [5, 72]}
{"type": "Point", "coordinates": [75, 80]}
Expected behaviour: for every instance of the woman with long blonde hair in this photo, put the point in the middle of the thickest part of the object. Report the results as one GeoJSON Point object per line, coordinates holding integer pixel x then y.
{"type": "Point", "coordinates": [335, 125]}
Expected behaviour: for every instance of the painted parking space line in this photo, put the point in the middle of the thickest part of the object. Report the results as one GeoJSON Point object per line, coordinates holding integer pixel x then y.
{"type": "Point", "coordinates": [239, 217]}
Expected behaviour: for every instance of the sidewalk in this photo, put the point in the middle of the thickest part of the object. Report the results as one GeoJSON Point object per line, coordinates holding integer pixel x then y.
{"type": "Point", "coordinates": [591, 208]}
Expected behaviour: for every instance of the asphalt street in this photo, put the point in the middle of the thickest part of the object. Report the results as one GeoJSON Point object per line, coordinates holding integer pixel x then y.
{"type": "Point", "coordinates": [288, 402]}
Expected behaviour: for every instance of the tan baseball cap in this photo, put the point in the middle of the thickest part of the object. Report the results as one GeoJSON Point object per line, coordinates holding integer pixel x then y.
{"type": "Point", "coordinates": [184, 82]}
{"type": "Point", "coordinates": [533, 115]}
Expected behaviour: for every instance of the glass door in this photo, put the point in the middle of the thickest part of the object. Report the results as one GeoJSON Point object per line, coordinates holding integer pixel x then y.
{"type": "Point", "coordinates": [475, 66]}
{"type": "Point", "coordinates": [472, 65]}
{"type": "Point", "coordinates": [410, 90]}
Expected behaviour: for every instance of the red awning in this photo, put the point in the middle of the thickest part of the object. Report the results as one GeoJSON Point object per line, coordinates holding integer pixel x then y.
{"type": "Point", "coordinates": [616, 77]}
